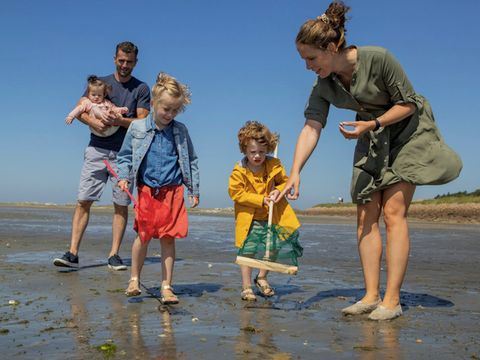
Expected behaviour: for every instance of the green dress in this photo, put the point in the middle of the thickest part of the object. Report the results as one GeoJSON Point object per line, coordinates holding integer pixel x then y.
{"type": "Point", "coordinates": [411, 150]}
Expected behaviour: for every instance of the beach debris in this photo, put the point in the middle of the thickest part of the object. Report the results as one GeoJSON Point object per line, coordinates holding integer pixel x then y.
{"type": "Point", "coordinates": [250, 328]}
{"type": "Point", "coordinates": [94, 291]}
{"type": "Point", "coordinates": [108, 348]}
{"type": "Point", "coordinates": [47, 329]}
{"type": "Point", "coordinates": [210, 265]}
{"type": "Point", "coordinates": [119, 290]}
{"type": "Point", "coordinates": [194, 319]}
{"type": "Point", "coordinates": [4, 331]}
{"type": "Point", "coordinates": [82, 339]}
{"type": "Point", "coordinates": [419, 341]}
{"type": "Point", "coordinates": [228, 289]}
{"type": "Point", "coordinates": [13, 302]}
{"type": "Point", "coordinates": [341, 298]}
{"type": "Point", "coordinates": [365, 347]}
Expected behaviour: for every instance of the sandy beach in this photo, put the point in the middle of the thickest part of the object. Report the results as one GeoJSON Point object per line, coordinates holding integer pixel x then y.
{"type": "Point", "coordinates": [54, 313]}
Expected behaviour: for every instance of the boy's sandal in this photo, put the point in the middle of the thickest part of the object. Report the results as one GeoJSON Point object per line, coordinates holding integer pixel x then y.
{"type": "Point", "coordinates": [247, 294]}
{"type": "Point", "coordinates": [265, 290]}
{"type": "Point", "coordinates": [168, 296]}
{"type": "Point", "coordinates": [133, 290]}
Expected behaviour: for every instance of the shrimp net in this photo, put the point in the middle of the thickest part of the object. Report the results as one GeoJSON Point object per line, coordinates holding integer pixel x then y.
{"type": "Point", "coordinates": [272, 243]}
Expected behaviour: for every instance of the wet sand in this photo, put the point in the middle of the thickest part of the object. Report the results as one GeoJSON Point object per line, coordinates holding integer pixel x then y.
{"type": "Point", "coordinates": [47, 312]}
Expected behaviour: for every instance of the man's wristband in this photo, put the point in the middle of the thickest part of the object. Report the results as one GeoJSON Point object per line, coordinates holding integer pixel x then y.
{"type": "Point", "coordinates": [377, 124]}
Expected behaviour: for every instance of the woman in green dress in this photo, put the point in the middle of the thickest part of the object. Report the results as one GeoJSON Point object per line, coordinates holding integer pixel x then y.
{"type": "Point", "coordinates": [398, 147]}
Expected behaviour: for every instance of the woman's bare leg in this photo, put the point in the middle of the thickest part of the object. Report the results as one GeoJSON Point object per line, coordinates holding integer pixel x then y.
{"type": "Point", "coordinates": [396, 201]}
{"type": "Point", "coordinates": [370, 246]}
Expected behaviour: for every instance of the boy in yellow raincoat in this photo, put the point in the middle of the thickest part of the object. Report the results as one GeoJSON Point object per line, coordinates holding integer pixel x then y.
{"type": "Point", "coordinates": [256, 180]}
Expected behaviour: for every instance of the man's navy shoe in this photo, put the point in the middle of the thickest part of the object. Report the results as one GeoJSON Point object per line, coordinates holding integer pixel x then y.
{"type": "Point", "coordinates": [116, 263]}
{"type": "Point", "coordinates": [67, 260]}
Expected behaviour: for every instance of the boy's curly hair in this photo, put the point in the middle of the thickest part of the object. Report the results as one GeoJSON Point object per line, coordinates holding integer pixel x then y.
{"type": "Point", "coordinates": [253, 130]}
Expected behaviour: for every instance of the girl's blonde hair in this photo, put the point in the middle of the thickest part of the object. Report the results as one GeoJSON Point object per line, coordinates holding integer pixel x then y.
{"type": "Point", "coordinates": [94, 82]}
{"type": "Point", "coordinates": [253, 130]}
{"type": "Point", "coordinates": [326, 28]}
{"type": "Point", "coordinates": [170, 85]}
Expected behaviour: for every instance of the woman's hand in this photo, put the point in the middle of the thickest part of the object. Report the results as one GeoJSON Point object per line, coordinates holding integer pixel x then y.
{"type": "Point", "coordinates": [123, 184]}
{"type": "Point", "coordinates": [292, 188]}
{"type": "Point", "coordinates": [359, 128]}
{"type": "Point", "coordinates": [194, 200]}
{"type": "Point", "coordinates": [306, 143]}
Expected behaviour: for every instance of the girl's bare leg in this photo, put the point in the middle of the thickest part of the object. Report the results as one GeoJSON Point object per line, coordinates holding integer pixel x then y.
{"type": "Point", "coordinates": [168, 259]}
{"type": "Point", "coordinates": [139, 252]}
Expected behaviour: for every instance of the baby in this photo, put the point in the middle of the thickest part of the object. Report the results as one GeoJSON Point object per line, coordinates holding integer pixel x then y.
{"type": "Point", "coordinates": [97, 105]}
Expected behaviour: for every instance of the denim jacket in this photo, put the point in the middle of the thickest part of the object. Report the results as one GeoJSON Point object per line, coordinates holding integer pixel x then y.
{"type": "Point", "coordinates": [137, 142]}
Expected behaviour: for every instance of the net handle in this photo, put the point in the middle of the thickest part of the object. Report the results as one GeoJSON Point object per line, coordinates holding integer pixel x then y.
{"type": "Point", "coordinates": [114, 174]}
{"type": "Point", "coordinates": [270, 215]}
{"type": "Point", "coordinates": [270, 204]}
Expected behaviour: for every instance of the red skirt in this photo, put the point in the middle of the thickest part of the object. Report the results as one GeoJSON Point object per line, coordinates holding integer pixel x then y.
{"type": "Point", "coordinates": [161, 213]}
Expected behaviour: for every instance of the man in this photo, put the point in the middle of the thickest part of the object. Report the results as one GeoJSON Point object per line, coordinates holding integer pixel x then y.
{"type": "Point", "coordinates": [134, 94]}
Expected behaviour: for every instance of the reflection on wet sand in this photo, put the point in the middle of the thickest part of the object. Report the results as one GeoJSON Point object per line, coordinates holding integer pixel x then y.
{"type": "Point", "coordinates": [255, 339]}
{"type": "Point", "coordinates": [168, 347]}
{"type": "Point", "coordinates": [141, 345]}
{"type": "Point", "coordinates": [80, 317]}
{"type": "Point", "coordinates": [379, 340]}
{"type": "Point", "coordinates": [93, 330]}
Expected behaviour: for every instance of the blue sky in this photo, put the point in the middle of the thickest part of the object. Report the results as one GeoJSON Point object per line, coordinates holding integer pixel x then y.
{"type": "Point", "coordinates": [240, 61]}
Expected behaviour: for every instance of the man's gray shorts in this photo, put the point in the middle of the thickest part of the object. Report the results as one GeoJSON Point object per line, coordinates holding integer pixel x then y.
{"type": "Point", "coordinates": [95, 175]}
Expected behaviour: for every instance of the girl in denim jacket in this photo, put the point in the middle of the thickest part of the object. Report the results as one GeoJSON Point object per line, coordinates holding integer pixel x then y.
{"type": "Point", "coordinates": [158, 154]}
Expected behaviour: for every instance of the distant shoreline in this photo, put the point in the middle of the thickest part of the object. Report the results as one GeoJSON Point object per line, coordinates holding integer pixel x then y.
{"type": "Point", "coordinates": [468, 213]}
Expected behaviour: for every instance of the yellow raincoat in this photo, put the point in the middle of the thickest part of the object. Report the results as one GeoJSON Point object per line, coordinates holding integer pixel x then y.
{"type": "Point", "coordinates": [244, 191]}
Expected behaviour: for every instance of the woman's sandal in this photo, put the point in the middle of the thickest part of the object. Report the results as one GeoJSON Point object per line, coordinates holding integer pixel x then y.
{"type": "Point", "coordinates": [135, 289]}
{"type": "Point", "coordinates": [168, 297]}
{"type": "Point", "coordinates": [266, 289]}
{"type": "Point", "coordinates": [247, 294]}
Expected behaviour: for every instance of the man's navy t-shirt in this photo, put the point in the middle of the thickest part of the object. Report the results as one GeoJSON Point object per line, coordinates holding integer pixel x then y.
{"type": "Point", "coordinates": [133, 94]}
